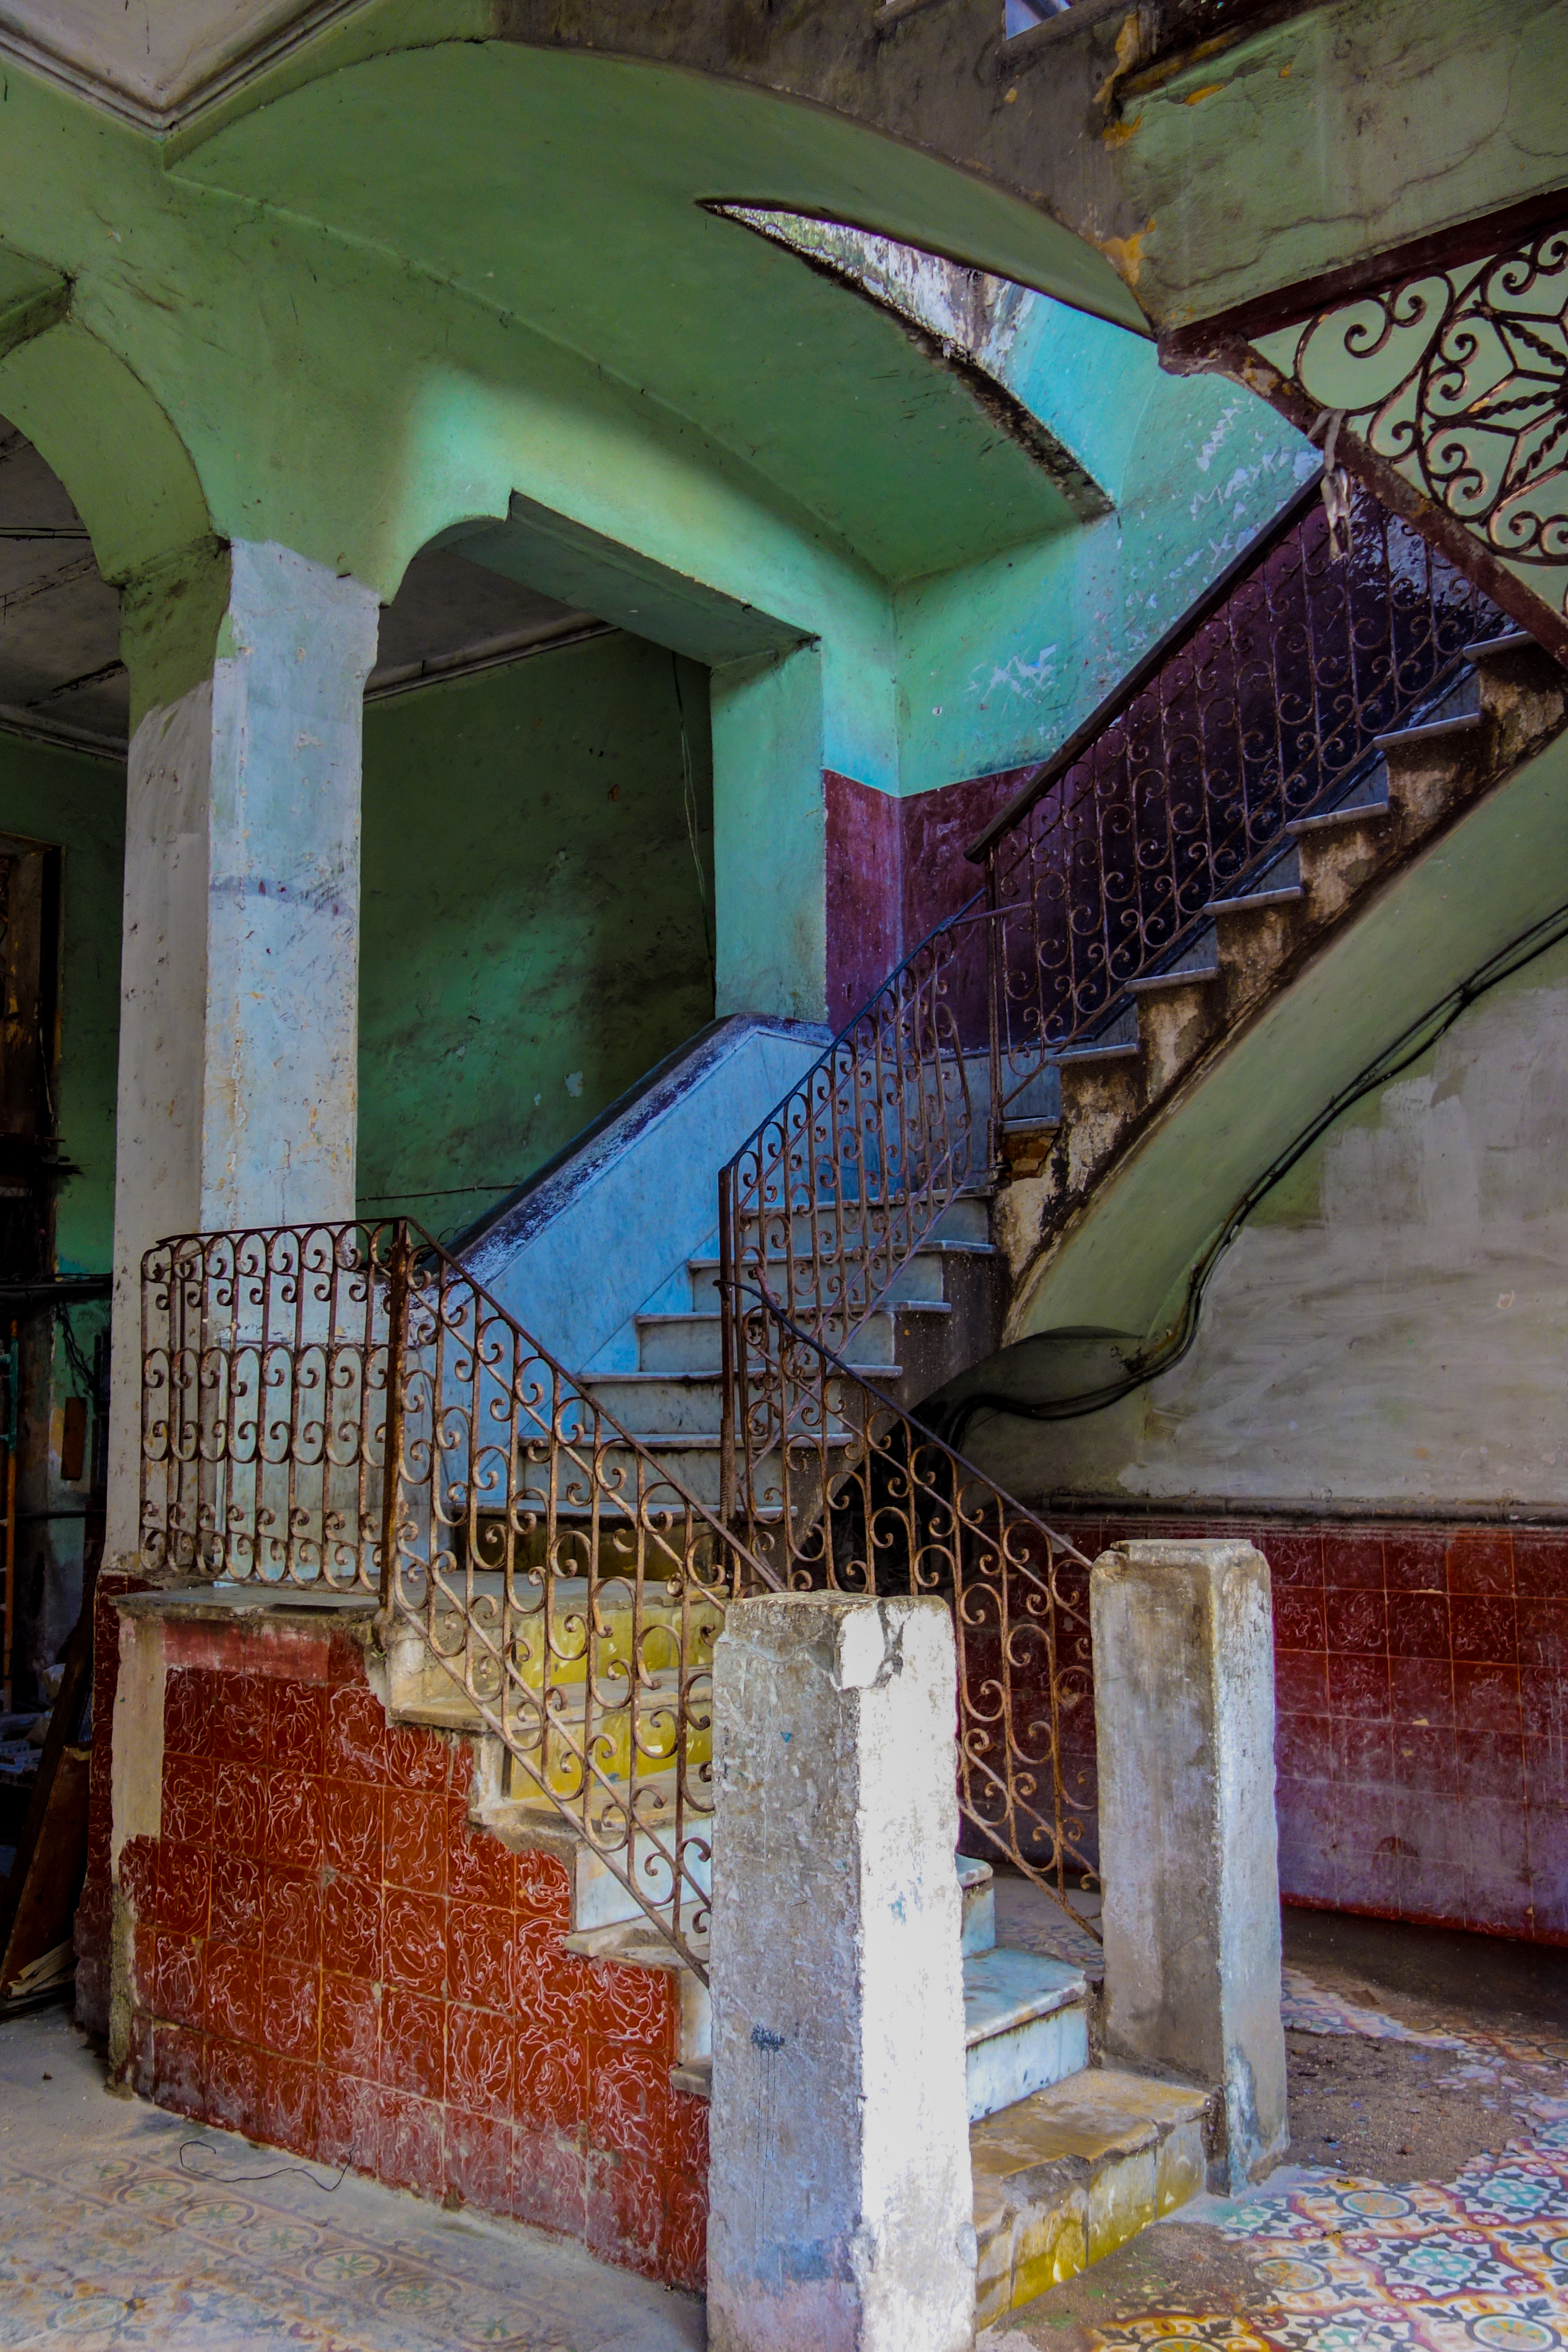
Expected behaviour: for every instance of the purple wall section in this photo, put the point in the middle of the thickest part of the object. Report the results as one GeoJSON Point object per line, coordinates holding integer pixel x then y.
{"type": "Point", "coordinates": [894, 870]}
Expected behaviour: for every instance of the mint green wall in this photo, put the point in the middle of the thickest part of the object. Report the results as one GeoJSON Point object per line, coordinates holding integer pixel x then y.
{"type": "Point", "coordinates": [1000, 659]}
{"type": "Point", "coordinates": [533, 939]}
{"type": "Point", "coordinates": [78, 804]}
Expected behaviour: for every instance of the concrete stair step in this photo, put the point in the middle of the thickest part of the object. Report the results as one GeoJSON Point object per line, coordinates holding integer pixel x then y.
{"type": "Point", "coordinates": [1066, 2176]}
{"type": "Point", "coordinates": [977, 1892]}
{"type": "Point", "coordinates": [693, 1342]}
{"type": "Point", "coordinates": [1026, 2025]}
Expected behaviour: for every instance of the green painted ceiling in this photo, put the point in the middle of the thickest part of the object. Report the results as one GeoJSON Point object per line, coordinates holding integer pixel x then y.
{"type": "Point", "coordinates": [566, 193]}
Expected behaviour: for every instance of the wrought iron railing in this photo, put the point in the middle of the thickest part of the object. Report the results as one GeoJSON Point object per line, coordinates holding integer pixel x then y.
{"type": "Point", "coordinates": [1258, 708]}
{"type": "Point", "coordinates": [842, 1491]}
{"type": "Point", "coordinates": [343, 1408]}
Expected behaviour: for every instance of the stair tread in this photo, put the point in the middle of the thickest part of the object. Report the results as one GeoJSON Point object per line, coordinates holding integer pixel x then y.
{"type": "Point", "coordinates": [1005, 1987]}
{"type": "Point", "coordinates": [1352, 813]}
{"type": "Point", "coordinates": [1126, 1051]}
{"type": "Point", "coordinates": [1155, 980]}
{"type": "Point", "coordinates": [1510, 639]}
{"type": "Point", "coordinates": [1256, 898]}
{"type": "Point", "coordinates": [1099, 2113]}
{"type": "Point", "coordinates": [1462, 723]}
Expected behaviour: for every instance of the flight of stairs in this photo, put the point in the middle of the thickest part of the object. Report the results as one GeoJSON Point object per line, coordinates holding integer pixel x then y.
{"type": "Point", "coordinates": [940, 1313]}
{"type": "Point", "coordinates": [1070, 2157]}
{"type": "Point", "coordinates": [1509, 698]}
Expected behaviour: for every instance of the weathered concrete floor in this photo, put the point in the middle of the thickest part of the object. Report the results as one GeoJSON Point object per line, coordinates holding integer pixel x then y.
{"type": "Point", "coordinates": [123, 2227]}
{"type": "Point", "coordinates": [1426, 2206]}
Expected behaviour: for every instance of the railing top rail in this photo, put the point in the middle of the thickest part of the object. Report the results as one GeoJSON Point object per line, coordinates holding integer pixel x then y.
{"type": "Point", "coordinates": [1128, 689]}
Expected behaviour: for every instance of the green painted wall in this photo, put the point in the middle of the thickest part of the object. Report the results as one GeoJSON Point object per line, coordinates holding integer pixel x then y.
{"type": "Point", "coordinates": [533, 939]}
{"type": "Point", "coordinates": [78, 804]}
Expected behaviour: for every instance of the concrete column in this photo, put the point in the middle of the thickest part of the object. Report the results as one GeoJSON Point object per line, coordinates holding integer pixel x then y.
{"type": "Point", "coordinates": [770, 836]}
{"type": "Point", "coordinates": [239, 984]}
{"type": "Point", "coordinates": [841, 2211]}
{"type": "Point", "coordinates": [1184, 1720]}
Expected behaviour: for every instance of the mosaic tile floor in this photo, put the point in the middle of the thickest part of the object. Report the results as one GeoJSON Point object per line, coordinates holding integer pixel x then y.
{"type": "Point", "coordinates": [1345, 2264]}
{"type": "Point", "coordinates": [122, 2227]}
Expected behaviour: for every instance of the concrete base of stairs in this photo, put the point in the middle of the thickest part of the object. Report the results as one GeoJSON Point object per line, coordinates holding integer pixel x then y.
{"type": "Point", "coordinates": [1067, 2176]}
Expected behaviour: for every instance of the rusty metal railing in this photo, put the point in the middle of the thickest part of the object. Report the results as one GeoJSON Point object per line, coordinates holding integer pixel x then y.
{"type": "Point", "coordinates": [842, 1491]}
{"type": "Point", "coordinates": [342, 1408]}
{"type": "Point", "coordinates": [1257, 709]}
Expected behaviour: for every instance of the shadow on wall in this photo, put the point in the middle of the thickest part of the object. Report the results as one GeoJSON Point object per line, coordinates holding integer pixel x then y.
{"type": "Point", "coordinates": [537, 897]}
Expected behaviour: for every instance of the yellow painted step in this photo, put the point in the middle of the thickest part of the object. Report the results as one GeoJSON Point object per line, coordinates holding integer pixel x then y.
{"type": "Point", "coordinates": [1065, 2177]}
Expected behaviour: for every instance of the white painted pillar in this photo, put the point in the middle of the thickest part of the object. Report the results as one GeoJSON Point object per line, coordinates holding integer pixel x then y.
{"type": "Point", "coordinates": [239, 986]}
{"type": "Point", "coordinates": [1184, 1722]}
{"type": "Point", "coordinates": [841, 2211]}
{"type": "Point", "coordinates": [770, 836]}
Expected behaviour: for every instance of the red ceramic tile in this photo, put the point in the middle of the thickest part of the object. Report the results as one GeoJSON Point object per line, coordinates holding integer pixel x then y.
{"type": "Point", "coordinates": [144, 1967]}
{"type": "Point", "coordinates": [1498, 1903]}
{"type": "Point", "coordinates": [351, 1925]}
{"type": "Point", "coordinates": [683, 2260]}
{"type": "Point", "coordinates": [625, 2211]}
{"type": "Point", "coordinates": [1543, 1699]}
{"type": "Point", "coordinates": [236, 1913]}
{"type": "Point", "coordinates": [414, 2044]}
{"type": "Point", "coordinates": [291, 2010]}
{"type": "Point", "coordinates": [1543, 1635]}
{"type": "Point", "coordinates": [1546, 1845]}
{"type": "Point", "coordinates": [1480, 1560]}
{"type": "Point", "coordinates": [239, 1719]}
{"type": "Point", "coordinates": [479, 1955]}
{"type": "Point", "coordinates": [1486, 1698]}
{"type": "Point", "coordinates": [479, 1868]}
{"type": "Point", "coordinates": [350, 2025]}
{"type": "Point", "coordinates": [479, 2076]}
{"type": "Point", "coordinates": [478, 2152]}
{"type": "Point", "coordinates": [233, 1993]}
{"type": "Point", "coordinates": [187, 1712]}
{"type": "Point", "coordinates": [286, 2104]}
{"type": "Point", "coordinates": [234, 2086]}
{"type": "Point", "coordinates": [184, 1888]}
{"type": "Point", "coordinates": [356, 1734]}
{"type": "Point", "coordinates": [1424, 1757]}
{"type": "Point", "coordinates": [345, 1661]}
{"type": "Point", "coordinates": [1307, 1872]}
{"type": "Point", "coordinates": [291, 1819]}
{"type": "Point", "coordinates": [1414, 1563]}
{"type": "Point", "coordinates": [1294, 1558]}
{"type": "Point", "coordinates": [1421, 1690]}
{"type": "Point", "coordinates": [628, 2098]}
{"type": "Point", "coordinates": [1354, 1560]}
{"type": "Point", "coordinates": [1419, 1625]}
{"type": "Point", "coordinates": [347, 2120]}
{"type": "Point", "coordinates": [1299, 1622]}
{"type": "Point", "coordinates": [1495, 1839]}
{"type": "Point", "coordinates": [1541, 1564]}
{"type": "Point", "coordinates": [549, 2182]}
{"type": "Point", "coordinates": [1300, 1682]}
{"type": "Point", "coordinates": [409, 2149]}
{"type": "Point", "coordinates": [1490, 1764]}
{"type": "Point", "coordinates": [1545, 1774]}
{"type": "Point", "coordinates": [188, 1799]}
{"type": "Point", "coordinates": [1363, 1752]}
{"type": "Point", "coordinates": [1302, 1746]}
{"type": "Point", "coordinates": [178, 2070]}
{"type": "Point", "coordinates": [291, 1916]}
{"type": "Point", "coordinates": [1484, 1629]}
{"type": "Point", "coordinates": [297, 1727]}
{"type": "Point", "coordinates": [1357, 1622]}
{"type": "Point", "coordinates": [414, 1940]}
{"type": "Point", "coordinates": [1432, 1892]}
{"type": "Point", "coordinates": [460, 1769]}
{"type": "Point", "coordinates": [415, 1841]}
{"type": "Point", "coordinates": [417, 1758]}
{"type": "Point", "coordinates": [1358, 1686]}
{"type": "Point", "coordinates": [177, 1987]}
{"type": "Point", "coordinates": [236, 1808]}
{"type": "Point", "coordinates": [551, 2081]}
{"type": "Point", "coordinates": [138, 1877]}
{"type": "Point", "coordinates": [352, 1828]}
{"type": "Point", "coordinates": [1368, 1881]}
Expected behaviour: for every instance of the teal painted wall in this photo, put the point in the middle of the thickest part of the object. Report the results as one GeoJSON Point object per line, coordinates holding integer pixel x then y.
{"type": "Point", "coordinates": [534, 937]}
{"type": "Point", "coordinates": [78, 804]}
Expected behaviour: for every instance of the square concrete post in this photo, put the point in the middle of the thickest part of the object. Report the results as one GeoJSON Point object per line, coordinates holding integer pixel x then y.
{"type": "Point", "coordinates": [1184, 1719]}
{"type": "Point", "coordinates": [841, 2211]}
{"type": "Point", "coordinates": [238, 1099]}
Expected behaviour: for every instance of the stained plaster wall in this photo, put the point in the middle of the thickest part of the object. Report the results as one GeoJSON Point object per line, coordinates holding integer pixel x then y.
{"type": "Point", "coordinates": [78, 805]}
{"type": "Point", "coordinates": [1386, 1331]}
{"type": "Point", "coordinates": [534, 935]}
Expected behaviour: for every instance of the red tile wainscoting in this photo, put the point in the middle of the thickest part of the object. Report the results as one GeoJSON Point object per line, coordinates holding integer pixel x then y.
{"type": "Point", "coordinates": [1421, 1686]}
{"type": "Point", "coordinates": [330, 1956]}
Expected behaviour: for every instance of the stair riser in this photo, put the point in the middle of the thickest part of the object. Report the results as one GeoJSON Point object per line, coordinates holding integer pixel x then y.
{"type": "Point", "coordinates": [980, 1917]}
{"type": "Point", "coordinates": [1005, 2067]}
{"type": "Point", "coordinates": [920, 1281]}
{"type": "Point", "coordinates": [1025, 2251]}
{"type": "Point", "coordinates": [694, 1344]}
{"type": "Point", "coordinates": [1253, 942]}
{"type": "Point", "coordinates": [1339, 862]}
{"type": "Point", "coordinates": [1175, 1025]}
{"type": "Point", "coordinates": [668, 1408]}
